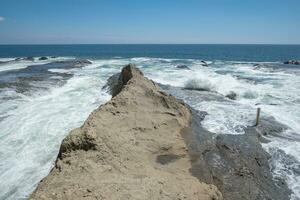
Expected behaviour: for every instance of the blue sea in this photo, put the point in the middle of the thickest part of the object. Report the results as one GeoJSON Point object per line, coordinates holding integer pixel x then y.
{"type": "Point", "coordinates": [263, 53]}
{"type": "Point", "coordinates": [41, 100]}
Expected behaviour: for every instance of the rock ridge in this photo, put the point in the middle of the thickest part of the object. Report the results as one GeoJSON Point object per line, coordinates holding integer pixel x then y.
{"type": "Point", "coordinates": [132, 147]}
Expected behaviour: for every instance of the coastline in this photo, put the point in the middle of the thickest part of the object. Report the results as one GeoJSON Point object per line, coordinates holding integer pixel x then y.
{"type": "Point", "coordinates": [130, 147]}
{"type": "Point", "coordinates": [146, 144]}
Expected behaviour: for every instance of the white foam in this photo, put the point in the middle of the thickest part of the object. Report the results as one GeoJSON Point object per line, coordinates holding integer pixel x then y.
{"type": "Point", "coordinates": [277, 92]}
{"type": "Point", "coordinates": [32, 132]}
{"type": "Point", "coordinates": [21, 64]}
{"type": "Point", "coordinates": [199, 84]}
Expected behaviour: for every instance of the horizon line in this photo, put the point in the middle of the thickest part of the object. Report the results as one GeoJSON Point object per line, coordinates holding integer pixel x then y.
{"type": "Point", "coordinates": [149, 44]}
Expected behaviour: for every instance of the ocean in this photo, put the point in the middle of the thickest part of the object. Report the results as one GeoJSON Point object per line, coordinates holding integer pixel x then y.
{"type": "Point", "coordinates": [42, 100]}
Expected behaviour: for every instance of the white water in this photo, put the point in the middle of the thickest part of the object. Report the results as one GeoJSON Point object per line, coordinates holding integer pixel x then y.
{"type": "Point", "coordinates": [31, 134]}
{"type": "Point", "coordinates": [23, 64]}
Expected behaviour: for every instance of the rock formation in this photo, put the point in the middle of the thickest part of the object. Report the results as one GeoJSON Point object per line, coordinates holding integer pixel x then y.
{"type": "Point", "coordinates": [146, 144]}
{"type": "Point", "coordinates": [129, 148]}
{"type": "Point", "coordinates": [292, 62]}
{"type": "Point", "coordinates": [236, 164]}
{"type": "Point", "coordinates": [43, 58]}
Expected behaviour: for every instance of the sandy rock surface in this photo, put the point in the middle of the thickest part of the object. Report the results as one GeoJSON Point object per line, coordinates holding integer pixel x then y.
{"type": "Point", "coordinates": [129, 148]}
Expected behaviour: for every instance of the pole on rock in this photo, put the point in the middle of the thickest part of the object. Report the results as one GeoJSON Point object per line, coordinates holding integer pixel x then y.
{"type": "Point", "coordinates": [257, 116]}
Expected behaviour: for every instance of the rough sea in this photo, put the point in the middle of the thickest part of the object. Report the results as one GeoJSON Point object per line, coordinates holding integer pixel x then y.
{"type": "Point", "coordinates": [41, 102]}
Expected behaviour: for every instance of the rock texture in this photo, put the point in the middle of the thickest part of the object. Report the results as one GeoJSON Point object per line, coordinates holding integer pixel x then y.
{"type": "Point", "coordinates": [236, 164]}
{"type": "Point", "coordinates": [129, 148]}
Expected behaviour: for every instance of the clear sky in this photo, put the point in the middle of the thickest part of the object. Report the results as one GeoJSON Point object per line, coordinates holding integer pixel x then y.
{"type": "Point", "coordinates": [149, 21]}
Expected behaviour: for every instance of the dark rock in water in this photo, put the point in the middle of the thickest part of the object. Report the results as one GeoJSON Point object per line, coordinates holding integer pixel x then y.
{"type": "Point", "coordinates": [292, 62]}
{"type": "Point", "coordinates": [197, 89]}
{"type": "Point", "coordinates": [231, 95]}
{"type": "Point", "coordinates": [269, 126]}
{"type": "Point", "coordinates": [18, 59]}
{"type": "Point", "coordinates": [29, 58]}
{"type": "Point", "coordinates": [116, 82]}
{"type": "Point", "coordinates": [75, 63]}
{"type": "Point", "coordinates": [236, 164]}
{"type": "Point", "coordinates": [43, 58]}
{"type": "Point", "coordinates": [204, 63]}
{"type": "Point", "coordinates": [26, 59]}
{"type": "Point", "coordinates": [182, 67]}
{"type": "Point", "coordinates": [53, 56]}
{"type": "Point", "coordinates": [257, 66]}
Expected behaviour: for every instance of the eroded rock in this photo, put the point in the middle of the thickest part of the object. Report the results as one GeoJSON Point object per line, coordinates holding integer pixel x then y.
{"type": "Point", "coordinates": [129, 148]}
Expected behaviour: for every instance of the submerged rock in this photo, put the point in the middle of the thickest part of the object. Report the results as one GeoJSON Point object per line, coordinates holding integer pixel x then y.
{"type": "Point", "coordinates": [204, 63]}
{"type": "Point", "coordinates": [232, 95]}
{"type": "Point", "coordinates": [43, 58]}
{"type": "Point", "coordinates": [292, 62]}
{"type": "Point", "coordinates": [26, 59]}
{"type": "Point", "coordinates": [182, 67]}
{"type": "Point", "coordinates": [74, 63]}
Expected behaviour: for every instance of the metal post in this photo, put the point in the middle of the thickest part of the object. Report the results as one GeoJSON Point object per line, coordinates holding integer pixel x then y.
{"type": "Point", "coordinates": [257, 116]}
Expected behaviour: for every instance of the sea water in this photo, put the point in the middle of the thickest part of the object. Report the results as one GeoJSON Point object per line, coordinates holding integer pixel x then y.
{"type": "Point", "coordinates": [36, 114]}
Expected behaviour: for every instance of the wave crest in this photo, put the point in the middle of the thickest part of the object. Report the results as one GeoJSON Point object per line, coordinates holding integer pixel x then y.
{"type": "Point", "coordinates": [199, 84]}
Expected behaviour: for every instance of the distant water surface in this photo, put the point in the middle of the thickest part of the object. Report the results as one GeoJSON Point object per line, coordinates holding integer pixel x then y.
{"type": "Point", "coordinates": [205, 51]}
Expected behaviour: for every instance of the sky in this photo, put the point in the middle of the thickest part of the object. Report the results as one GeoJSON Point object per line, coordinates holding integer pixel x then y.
{"type": "Point", "coordinates": [149, 22]}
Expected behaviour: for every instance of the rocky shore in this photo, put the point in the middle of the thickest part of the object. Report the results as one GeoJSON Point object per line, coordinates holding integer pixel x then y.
{"type": "Point", "coordinates": [129, 148]}
{"type": "Point", "coordinates": [146, 144]}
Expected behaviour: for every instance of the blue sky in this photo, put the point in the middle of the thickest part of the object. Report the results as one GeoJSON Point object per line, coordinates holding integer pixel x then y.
{"type": "Point", "coordinates": [149, 21]}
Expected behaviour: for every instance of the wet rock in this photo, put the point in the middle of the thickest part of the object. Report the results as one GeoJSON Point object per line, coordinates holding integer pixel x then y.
{"type": "Point", "coordinates": [29, 58]}
{"type": "Point", "coordinates": [269, 126]}
{"type": "Point", "coordinates": [292, 62]}
{"type": "Point", "coordinates": [73, 63]}
{"type": "Point", "coordinates": [236, 164]}
{"type": "Point", "coordinates": [26, 59]}
{"type": "Point", "coordinates": [112, 84]}
{"type": "Point", "coordinates": [232, 95]}
{"type": "Point", "coordinates": [18, 59]}
{"type": "Point", "coordinates": [257, 66]}
{"type": "Point", "coordinates": [204, 63]}
{"type": "Point", "coordinates": [182, 67]}
{"type": "Point", "coordinates": [43, 58]}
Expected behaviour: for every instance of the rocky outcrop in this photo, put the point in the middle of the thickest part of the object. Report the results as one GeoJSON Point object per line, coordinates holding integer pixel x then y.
{"type": "Point", "coordinates": [129, 148]}
{"type": "Point", "coordinates": [145, 144]}
{"type": "Point", "coordinates": [292, 62]}
{"type": "Point", "coordinates": [43, 58]}
{"type": "Point", "coordinates": [26, 59]}
{"type": "Point", "coordinates": [236, 164]}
